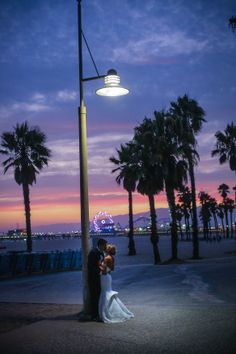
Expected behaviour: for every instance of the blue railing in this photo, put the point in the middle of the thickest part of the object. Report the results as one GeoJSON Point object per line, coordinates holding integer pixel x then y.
{"type": "Point", "coordinates": [14, 263]}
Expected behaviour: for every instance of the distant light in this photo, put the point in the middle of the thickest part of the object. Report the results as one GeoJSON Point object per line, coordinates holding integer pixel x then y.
{"type": "Point", "coordinates": [112, 86]}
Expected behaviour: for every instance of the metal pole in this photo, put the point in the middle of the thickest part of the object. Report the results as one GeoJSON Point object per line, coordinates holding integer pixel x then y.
{"type": "Point", "coordinates": [84, 202]}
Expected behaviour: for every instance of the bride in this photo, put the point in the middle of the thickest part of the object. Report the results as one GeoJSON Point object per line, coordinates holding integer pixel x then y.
{"type": "Point", "coordinates": [111, 308]}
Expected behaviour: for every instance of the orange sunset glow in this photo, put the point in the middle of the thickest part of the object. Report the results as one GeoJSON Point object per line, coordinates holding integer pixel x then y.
{"type": "Point", "coordinates": [65, 208]}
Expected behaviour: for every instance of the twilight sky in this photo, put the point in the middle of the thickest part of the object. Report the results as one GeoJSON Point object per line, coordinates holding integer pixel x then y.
{"type": "Point", "coordinates": [162, 49]}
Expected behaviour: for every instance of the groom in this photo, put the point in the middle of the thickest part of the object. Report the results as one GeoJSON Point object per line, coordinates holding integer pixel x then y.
{"type": "Point", "coordinates": [96, 255]}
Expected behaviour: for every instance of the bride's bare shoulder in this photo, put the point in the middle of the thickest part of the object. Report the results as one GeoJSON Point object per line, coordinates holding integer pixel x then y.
{"type": "Point", "coordinates": [109, 260]}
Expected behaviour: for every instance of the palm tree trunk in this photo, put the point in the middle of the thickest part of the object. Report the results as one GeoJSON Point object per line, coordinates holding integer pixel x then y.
{"type": "Point", "coordinates": [186, 217]}
{"type": "Point", "coordinates": [174, 234]}
{"type": "Point", "coordinates": [226, 221]}
{"type": "Point", "coordinates": [223, 226]}
{"type": "Point", "coordinates": [209, 229]}
{"type": "Point", "coordinates": [194, 209]}
{"type": "Point", "coordinates": [216, 225]}
{"type": "Point", "coordinates": [27, 215]}
{"type": "Point", "coordinates": [231, 223]}
{"type": "Point", "coordinates": [187, 228]}
{"type": "Point", "coordinates": [154, 235]}
{"type": "Point", "coordinates": [131, 246]}
{"type": "Point", "coordinates": [180, 230]}
{"type": "Point", "coordinates": [204, 228]}
{"type": "Point", "coordinates": [190, 220]}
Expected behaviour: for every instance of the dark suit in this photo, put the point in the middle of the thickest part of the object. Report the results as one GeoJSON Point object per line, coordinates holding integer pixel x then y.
{"type": "Point", "coordinates": [94, 257]}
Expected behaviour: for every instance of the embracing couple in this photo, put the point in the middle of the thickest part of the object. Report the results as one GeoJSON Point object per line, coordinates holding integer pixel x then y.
{"type": "Point", "coordinates": [105, 304]}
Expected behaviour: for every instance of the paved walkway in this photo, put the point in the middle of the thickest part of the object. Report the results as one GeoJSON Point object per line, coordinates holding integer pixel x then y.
{"type": "Point", "coordinates": [183, 308]}
{"type": "Point", "coordinates": [166, 329]}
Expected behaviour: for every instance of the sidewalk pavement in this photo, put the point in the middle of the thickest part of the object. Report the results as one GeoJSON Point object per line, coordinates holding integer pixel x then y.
{"type": "Point", "coordinates": [166, 329]}
{"type": "Point", "coordinates": [188, 308]}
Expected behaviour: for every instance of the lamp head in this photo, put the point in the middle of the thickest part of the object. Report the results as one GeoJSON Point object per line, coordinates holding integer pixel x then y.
{"type": "Point", "coordinates": [112, 86]}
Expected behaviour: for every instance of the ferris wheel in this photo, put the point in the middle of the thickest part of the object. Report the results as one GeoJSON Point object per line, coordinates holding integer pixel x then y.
{"type": "Point", "coordinates": [103, 222]}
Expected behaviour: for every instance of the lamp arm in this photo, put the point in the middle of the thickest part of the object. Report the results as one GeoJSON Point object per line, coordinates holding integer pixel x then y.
{"type": "Point", "coordinates": [94, 77]}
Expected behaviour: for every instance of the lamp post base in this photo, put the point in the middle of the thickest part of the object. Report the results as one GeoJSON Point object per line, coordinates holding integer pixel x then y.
{"type": "Point", "coordinates": [84, 316]}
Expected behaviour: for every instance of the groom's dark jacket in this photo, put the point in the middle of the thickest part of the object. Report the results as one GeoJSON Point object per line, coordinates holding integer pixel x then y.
{"type": "Point", "coordinates": [94, 257]}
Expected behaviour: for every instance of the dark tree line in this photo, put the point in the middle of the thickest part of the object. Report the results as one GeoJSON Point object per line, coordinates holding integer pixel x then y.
{"type": "Point", "coordinates": [162, 156]}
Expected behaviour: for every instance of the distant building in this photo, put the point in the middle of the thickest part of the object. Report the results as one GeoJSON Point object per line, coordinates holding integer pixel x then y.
{"type": "Point", "coordinates": [16, 233]}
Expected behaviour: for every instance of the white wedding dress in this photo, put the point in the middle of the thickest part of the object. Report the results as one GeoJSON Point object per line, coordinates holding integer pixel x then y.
{"type": "Point", "coordinates": [111, 308]}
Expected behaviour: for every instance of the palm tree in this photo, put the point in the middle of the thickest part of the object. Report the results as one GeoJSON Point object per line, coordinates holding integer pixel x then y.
{"type": "Point", "coordinates": [232, 23]}
{"type": "Point", "coordinates": [147, 186]}
{"type": "Point", "coordinates": [213, 209]}
{"type": "Point", "coordinates": [225, 146]}
{"type": "Point", "coordinates": [128, 176]}
{"type": "Point", "coordinates": [205, 212]}
{"type": "Point", "coordinates": [190, 117]}
{"type": "Point", "coordinates": [173, 182]}
{"type": "Point", "coordinates": [150, 180]}
{"type": "Point", "coordinates": [173, 168]}
{"type": "Point", "coordinates": [161, 165]}
{"type": "Point", "coordinates": [223, 190]}
{"type": "Point", "coordinates": [220, 214]}
{"type": "Point", "coordinates": [234, 189]}
{"type": "Point", "coordinates": [184, 196]}
{"type": "Point", "coordinates": [230, 207]}
{"type": "Point", "coordinates": [28, 154]}
{"type": "Point", "coordinates": [179, 217]}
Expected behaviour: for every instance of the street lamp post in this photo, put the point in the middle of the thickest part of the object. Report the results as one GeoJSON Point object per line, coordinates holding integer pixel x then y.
{"type": "Point", "coordinates": [112, 88]}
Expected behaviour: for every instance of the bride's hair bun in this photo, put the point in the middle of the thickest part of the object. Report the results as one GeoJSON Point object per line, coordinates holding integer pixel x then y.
{"type": "Point", "coordinates": [111, 249]}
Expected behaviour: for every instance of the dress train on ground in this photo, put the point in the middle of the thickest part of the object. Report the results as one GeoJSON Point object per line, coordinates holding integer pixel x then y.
{"type": "Point", "coordinates": [111, 308]}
